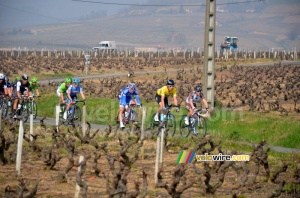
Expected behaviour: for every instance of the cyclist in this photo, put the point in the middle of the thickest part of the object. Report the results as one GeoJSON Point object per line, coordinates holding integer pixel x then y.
{"type": "Point", "coordinates": [62, 89]}
{"type": "Point", "coordinates": [161, 97]}
{"type": "Point", "coordinates": [21, 88]}
{"type": "Point", "coordinates": [72, 94]}
{"type": "Point", "coordinates": [129, 95]}
{"type": "Point", "coordinates": [4, 85]}
{"type": "Point", "coordinates": [34, 86]}
{"type": "Point", "coordinates": [190, 103]}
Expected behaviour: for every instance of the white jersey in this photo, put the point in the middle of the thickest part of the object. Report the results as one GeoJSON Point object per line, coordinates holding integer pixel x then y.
{"type": "Point", "coordinates": [195, 97]}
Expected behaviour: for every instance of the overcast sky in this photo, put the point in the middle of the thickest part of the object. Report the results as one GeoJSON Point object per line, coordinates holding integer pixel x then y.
{"type": "Point", "coordinates": [15, 13]}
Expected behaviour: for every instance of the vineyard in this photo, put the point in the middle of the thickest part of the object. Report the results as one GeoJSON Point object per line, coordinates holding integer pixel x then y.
{"type": "Point", "coordinates": [120, 164]}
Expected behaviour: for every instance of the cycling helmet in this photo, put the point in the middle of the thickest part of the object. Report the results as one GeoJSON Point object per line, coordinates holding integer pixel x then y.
{"type": "Point", "coordinates": [76, 80]}
{"type": "Point", "coordinates": [2, 76]}
{"type": "Point", "coordinates": [131, 86]}
{"type": "Point", "coordinates": [17, 78]}
{"type": "Point", "coordinates": [68, 80]}
{"type": "Point", "coordinates": [34, 79]}
{"type": "Point", "coordinates": [198, 88]}
{"type": "Point", "coordinates": [25, 77]}
{"type": "Point", "coordinates": [170, 82]}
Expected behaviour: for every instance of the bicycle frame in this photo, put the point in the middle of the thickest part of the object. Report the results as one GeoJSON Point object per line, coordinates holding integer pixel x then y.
{"type": "Point", "coordinates": [168, 121]}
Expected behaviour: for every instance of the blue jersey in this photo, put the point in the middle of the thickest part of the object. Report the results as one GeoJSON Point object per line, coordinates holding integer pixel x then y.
{"type": "Point", "coordinates": [125, 96]}
{"type": "Point", "coordinates": [74, 91]}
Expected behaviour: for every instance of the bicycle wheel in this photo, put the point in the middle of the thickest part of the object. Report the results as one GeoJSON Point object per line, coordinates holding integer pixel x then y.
{"type": "Point", "coordinates": [201, 126]}
{"type": "Point", "coordinates": [171, 125]}
{"type": "Point", "coordinates": [133, 120]}
{"type": "Point", "coordinates": [184, 129]}
{"type": "Point", "coordinates": [24, 112]}
{"type": "Point", "coordinates": [4, 109]}
{"type": "Point", "coordinates": [33, 109]}
{"type": "Point", "coordinates": [77, 114]}
{"type": "Point", "coordinates": [61, 113]}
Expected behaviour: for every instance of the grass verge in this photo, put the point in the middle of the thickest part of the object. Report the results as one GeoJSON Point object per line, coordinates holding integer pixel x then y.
{"type": "Point", "coordinates": [236, 126]}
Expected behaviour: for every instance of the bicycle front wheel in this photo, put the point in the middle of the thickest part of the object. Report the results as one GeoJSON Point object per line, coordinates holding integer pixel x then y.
{"type": "Point", "coordinates": [202, 126]}
{"type": "Point", "coordinates": [171, 125]}
{"type": "Point", "coordinates": [133, 121]}
{"type": "Point", "coordinates": [4, 109]}
{"type": "Point", "coordinates": [184, 129]}
{"type": "Point", "coordinates": [153, 123]}
{"type": "Point", "coordinates": [24, 112]}
{"type": "Point", "coordinates": [77, 114]}
{"type": "Point", "coordinates": [33, 109]}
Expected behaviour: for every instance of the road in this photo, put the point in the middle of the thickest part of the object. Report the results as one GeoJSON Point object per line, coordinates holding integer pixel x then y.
{"type": "Point", "coordinates": [157, 72]}
{"type": "Point", "coordinates": [51, 121]}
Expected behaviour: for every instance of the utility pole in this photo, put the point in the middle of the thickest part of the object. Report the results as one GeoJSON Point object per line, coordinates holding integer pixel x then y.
{"type": "Point", "coordinates": [209, 52]}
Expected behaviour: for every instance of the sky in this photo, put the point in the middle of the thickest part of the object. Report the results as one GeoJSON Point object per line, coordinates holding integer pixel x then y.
{"type": "Point", "coordinates": [16, 13]}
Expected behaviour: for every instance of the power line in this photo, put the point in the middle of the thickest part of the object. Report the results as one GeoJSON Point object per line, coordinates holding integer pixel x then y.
{"type": "Point", "coordinates": [158, 5]}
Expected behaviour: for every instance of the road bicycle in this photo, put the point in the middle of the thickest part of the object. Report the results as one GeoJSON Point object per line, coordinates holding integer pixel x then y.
{"type": "Point", "coordinates": [23, 108]}
{"type": "Point", "coordinates": [5, 105]}
{"type": "Point", "coordinates": [130, 117]}
{"type": "Point", "coordinates": [32, 107]}
{"type": "Point", "coordinates": [73, 114]}
{"type": "Point", "coordinates": [197, 122]}
{"type": "Point", "coordinates": [166, 120]}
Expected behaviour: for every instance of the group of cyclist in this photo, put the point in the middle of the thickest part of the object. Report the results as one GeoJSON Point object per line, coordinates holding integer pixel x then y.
{"type": "Point", "coordinates": [18, 88]}
{"type": "Point", "coordinates": [67, 93]}
{"type": "Point", "coordinates": [129, 95]}
{"type": "Point", "coordinates": [68, 90]}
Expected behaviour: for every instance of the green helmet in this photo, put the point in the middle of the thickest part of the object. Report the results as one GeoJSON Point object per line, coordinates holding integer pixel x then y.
{"type": "Point", "coordinates": [68, 80]}
{"type": "Point", "coordinates": [34, 79]}
{"type": "Point", "coordinates": [18, 78]}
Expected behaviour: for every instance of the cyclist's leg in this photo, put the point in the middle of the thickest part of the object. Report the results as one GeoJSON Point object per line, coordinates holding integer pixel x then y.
{"type": "Point", "coordinates": [121, 111]}
{"type": "Point", "coordinates": [190, 111]}
{"type": "Point", "coordinates": [68, 105]}
{"type": "Point", "coordinates": [15, 103]}
{"type": "Point", "coordinates": [158, 100]}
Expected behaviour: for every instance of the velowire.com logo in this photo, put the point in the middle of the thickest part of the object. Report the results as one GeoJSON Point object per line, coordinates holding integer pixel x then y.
{"type": "Point", "coordinates": [188, 156]}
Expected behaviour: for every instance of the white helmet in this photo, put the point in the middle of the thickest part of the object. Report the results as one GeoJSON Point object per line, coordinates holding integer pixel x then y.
{"type": "Point", "coordinates": [1, 76]}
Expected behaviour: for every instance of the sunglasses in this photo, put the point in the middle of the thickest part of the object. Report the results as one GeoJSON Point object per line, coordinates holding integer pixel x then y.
{"type": "Point", "coordinates": [171, 86]}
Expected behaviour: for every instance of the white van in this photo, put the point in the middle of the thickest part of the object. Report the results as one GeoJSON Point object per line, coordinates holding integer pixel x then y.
{"type": "Point", "coordinates": [105, 45]}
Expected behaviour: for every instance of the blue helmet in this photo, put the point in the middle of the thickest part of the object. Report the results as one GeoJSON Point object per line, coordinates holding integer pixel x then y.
{"type": "Point", "coordinates": [131, 86]}
{"type": "Point", "coordinates": [76, 80]}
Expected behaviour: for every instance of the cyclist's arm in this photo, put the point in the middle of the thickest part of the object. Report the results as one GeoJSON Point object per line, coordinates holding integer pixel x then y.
{"type": "Point", "coordinates": [175, 97]}
{"type": "Point", "coordinates": [82, 95]}
{"type": "Point", "coordinates": [191, 100]}
{"type": "Point", "coordinates": [137, 98]}
{"type": "Point", "coordinates": [205, 103]}
{"type": "Point", "coordinates": [175, 100]}
{"type": "Point", "coordinates": [69, 94]}
{"type": "Point", "coordinates": [62, 87]}
{"type": "Point", "coordinates": [37, 92]}
{"type": "Point", "coordinates": [18, 89]}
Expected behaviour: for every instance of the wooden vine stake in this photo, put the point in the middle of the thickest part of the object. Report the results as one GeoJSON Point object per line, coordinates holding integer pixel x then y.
{"type": "Point", "coordinates": [143, 130]}
{"type": "Point", "coordinates": [77, 187]}
{"type": "Point", "coordinates": [20, 145]}
{"type": "Point", "coordinates": [83, 121]}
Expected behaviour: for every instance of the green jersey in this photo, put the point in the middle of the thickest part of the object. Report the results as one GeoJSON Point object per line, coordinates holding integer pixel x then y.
{"type": "Point", "coordinates": [63, 88]}
{"type": "Point", "coordinates": [32, 86]}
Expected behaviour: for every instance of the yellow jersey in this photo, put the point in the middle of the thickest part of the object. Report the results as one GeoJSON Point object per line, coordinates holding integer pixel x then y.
{"type": "Point", "coordinates": [164, 91]}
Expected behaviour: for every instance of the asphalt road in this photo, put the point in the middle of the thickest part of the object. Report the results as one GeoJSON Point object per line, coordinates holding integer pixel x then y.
{"type": "Point", "coordinates": [51, 121]}
{"type": "Point", "coordinates": [157, 72]}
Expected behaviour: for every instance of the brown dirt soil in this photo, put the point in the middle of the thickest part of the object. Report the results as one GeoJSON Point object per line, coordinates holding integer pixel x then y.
{"type": "Point", "coordinates": [33, 168]}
